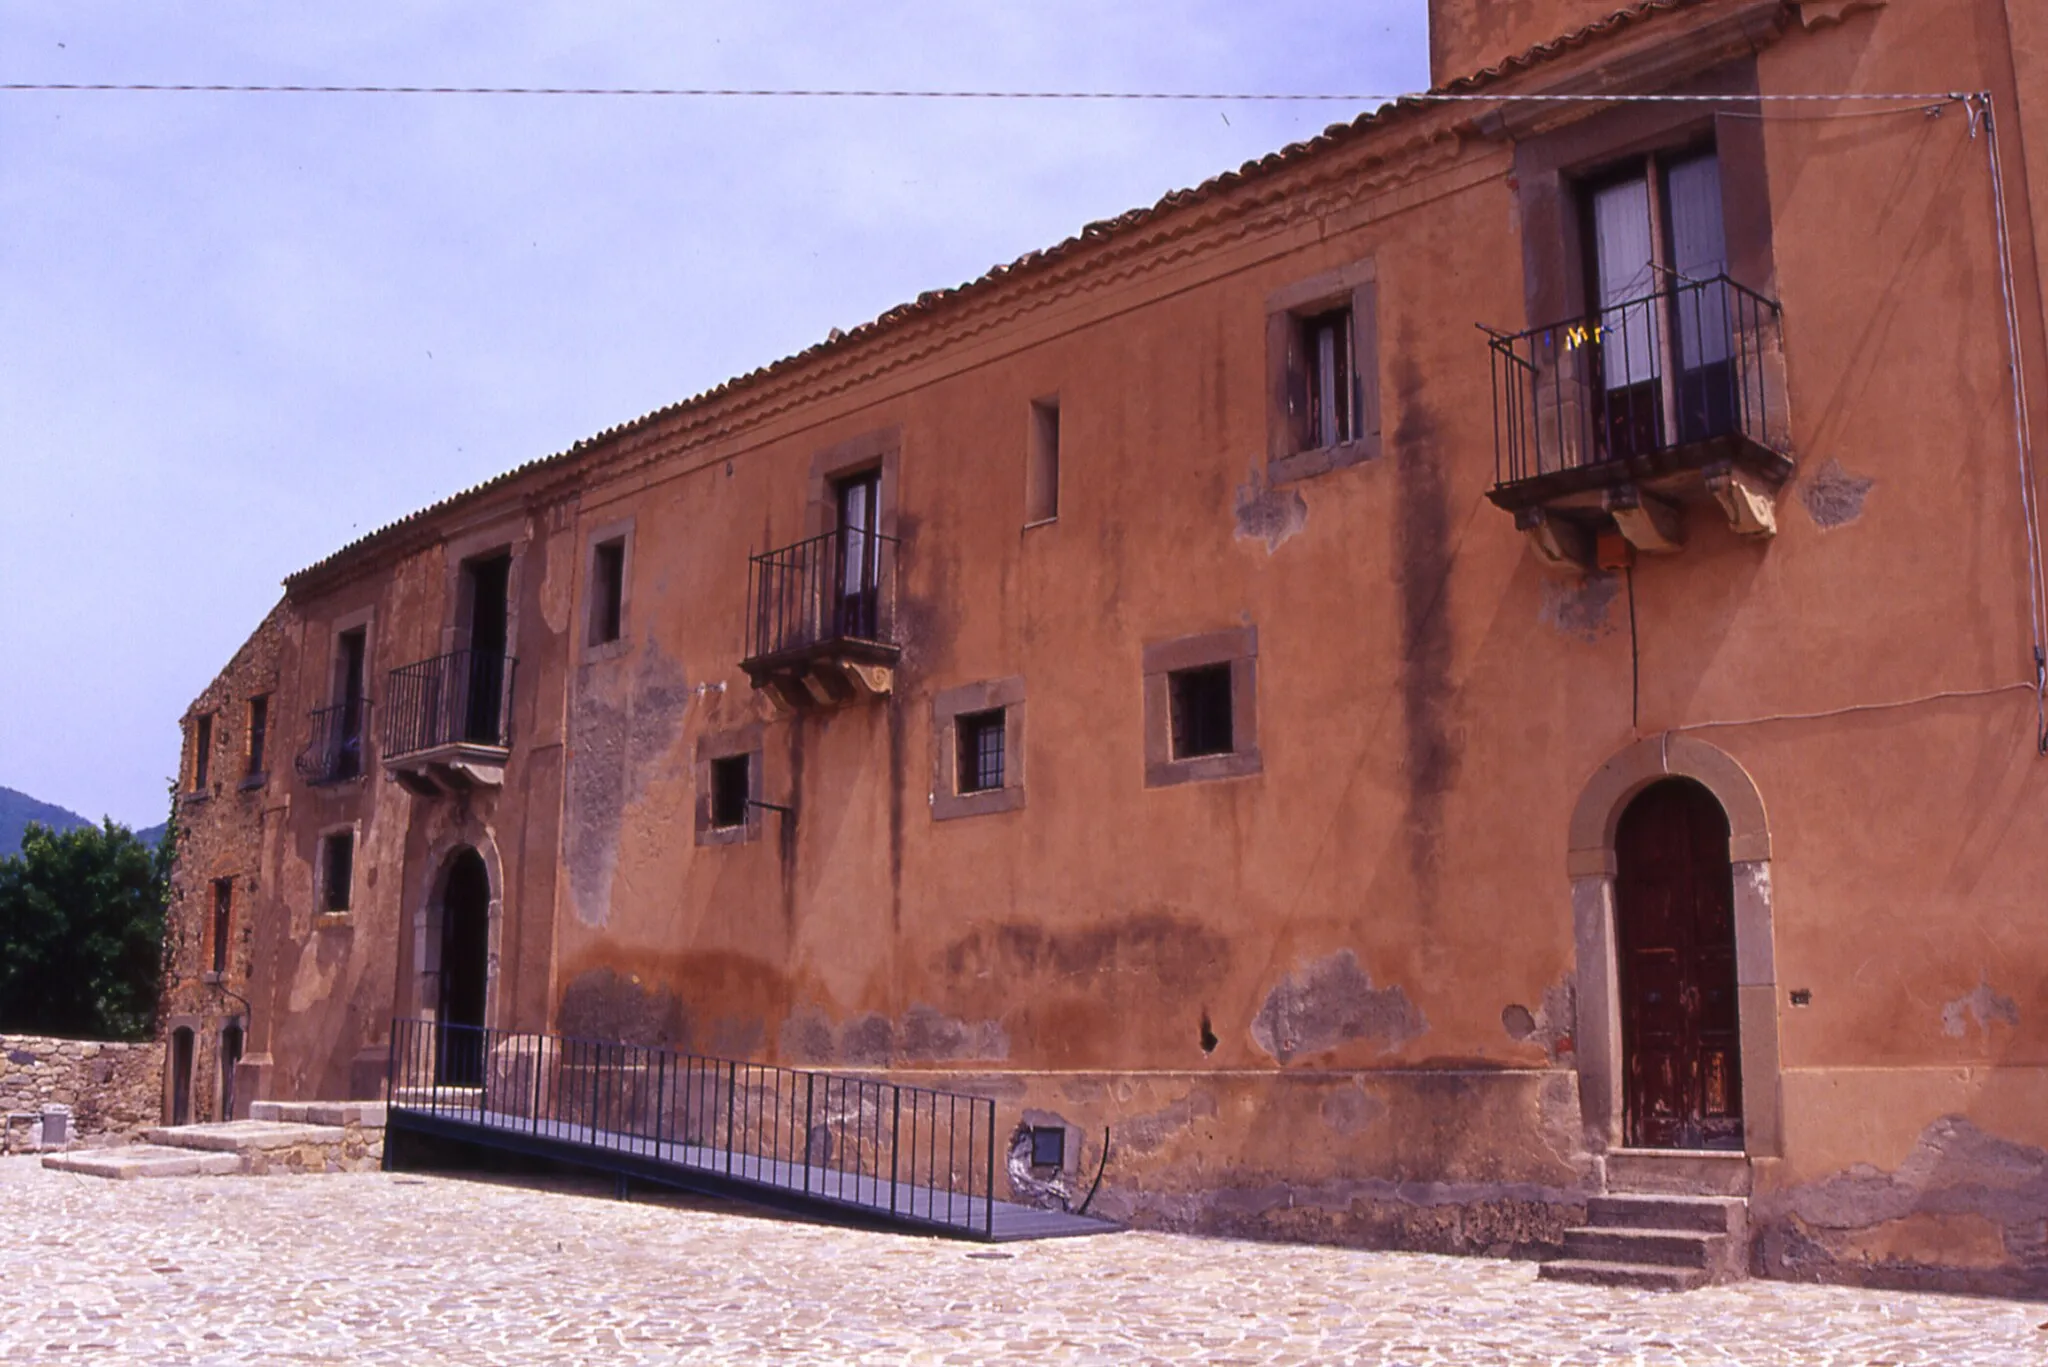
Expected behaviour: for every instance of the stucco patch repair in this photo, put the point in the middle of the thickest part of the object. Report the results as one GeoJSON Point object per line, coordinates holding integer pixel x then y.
{"type": "Point", "coordinates": [1550, 1024]}
{"type": "Point", "coordinates": [1982, 1006]}
{"type": "Point", "coordinates": [923, 1035]}
{"type": "Point", "coordinates": [1267, 514]}
{"type": "Point", "coordinates": [1047, 1188]}
{"type": "Point", "coordinates": [1834, 497]}
{"type": "Point", "coordinates": [1147, 1133]}
{"type": "Point", "coordinates": [1330, 1001]}
{"type": "Point", "coordinates": [619, 738]}
{"type": "Point", "coordinates": [1959, 1182]}
{"type": "Point", "coordinates": [1577, 606]}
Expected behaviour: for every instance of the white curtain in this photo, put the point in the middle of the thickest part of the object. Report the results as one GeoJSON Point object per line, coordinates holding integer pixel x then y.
{"type": "Point", "coordinates": [1700, 252]}
{"type": "Point", "coordinates": [1628, 317]}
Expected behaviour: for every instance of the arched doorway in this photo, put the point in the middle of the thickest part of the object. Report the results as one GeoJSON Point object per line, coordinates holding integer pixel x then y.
{"type": "Point", "coordinates": [181, 1076]}
{"type": "Point", "coordinates": [1674, 911]}
{"type": "Point", "coordinates": [465, 969]}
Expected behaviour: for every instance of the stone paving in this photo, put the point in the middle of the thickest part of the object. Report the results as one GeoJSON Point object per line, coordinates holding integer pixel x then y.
{"type": "Point", "coordinates": [399, 1268]}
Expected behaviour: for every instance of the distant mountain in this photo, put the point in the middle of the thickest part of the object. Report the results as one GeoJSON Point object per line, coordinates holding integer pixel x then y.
{"type": "Point", "coordinates": [149, 835]}
{"type": "Point", "coordinates": [18, 809]}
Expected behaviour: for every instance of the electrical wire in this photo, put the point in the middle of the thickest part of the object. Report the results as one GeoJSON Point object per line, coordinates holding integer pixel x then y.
{"type": "Point", "coordinates": [1854, 708]}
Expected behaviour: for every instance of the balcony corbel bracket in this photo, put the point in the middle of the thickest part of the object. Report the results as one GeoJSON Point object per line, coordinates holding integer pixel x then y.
{"type": "Point", "coordinates": [1558, 544]}
{"type": "Point", "coordinates": [1651, 525]}
{"type": "Point", "coordinates": [1751, 509]}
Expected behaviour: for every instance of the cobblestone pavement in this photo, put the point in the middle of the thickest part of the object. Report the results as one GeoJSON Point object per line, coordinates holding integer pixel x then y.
{"type": "Point", "coordinates": [422, 1270]}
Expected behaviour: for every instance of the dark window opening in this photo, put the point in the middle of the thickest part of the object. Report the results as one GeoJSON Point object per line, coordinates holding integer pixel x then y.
{"type": "Point", "coordinates": [202, 751]}
{"type": "Point", "coordinates": [980, 737]}
{"type": "Point", "coordinates": [608, 590]}
{"type": "Point", "coordinates": [1201, 711]}
{"type": "Point", "coordinates": [230, 1055]}
{"type": "Point", "coordinates": [1042, 488]}
{"type": "Point", "coordinates": [1329, 404]}
{"type": "Point", "coordinates": [223, 908]}
{"type": "Point", "coordinates": [488, 586]}
{"type": "Point", "coordinates": [730, 788]}
{"type": "Point", "coordinates": [351, 651]}
{"type": "Point", "coordinates": [338, 871]}
{"type": "Point", "coordinates": [259, 734]}
{"type": "Point", "coordinates": [1048, 1146]}
{"type": "Point", "coordinates": [859, 572]}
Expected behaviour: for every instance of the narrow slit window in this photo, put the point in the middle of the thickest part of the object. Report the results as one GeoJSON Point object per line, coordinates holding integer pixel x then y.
{"type": "Point", "coordinates": [202, 751]}
{"type": "Point", "coordinates": [1042, 488]}
{"type": "Point", "coordinates": [608, 589]}
{"type": "Point", "coordinates": [338, 871]}
{"type": "Point", "coordinates": [223, 915]}
{"type": "Point", "coordinates": [1326, 343]}
{"type": "Point", "coordinates": [259, 735]}
{"type": "Point", "coordinates": [730, 787]}
{"type": "Point", "coordinates": [981, 751]}
{"type": "Point", "coordinates": [1201, 703]}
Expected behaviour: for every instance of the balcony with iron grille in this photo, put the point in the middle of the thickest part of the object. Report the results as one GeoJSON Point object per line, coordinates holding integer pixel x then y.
{"type": "Point", "coordinates": [821, 619]}
{"type": "Point", "coordinates": [448, 722]}
{"type": "Point", "coordinates": [1615, 422]}
{"type": "Point", "coordinates": [334, 743]}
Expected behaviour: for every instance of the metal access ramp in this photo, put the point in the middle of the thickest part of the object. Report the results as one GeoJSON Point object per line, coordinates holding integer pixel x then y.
{"type": "Point", "coordinates": [863, 1149]}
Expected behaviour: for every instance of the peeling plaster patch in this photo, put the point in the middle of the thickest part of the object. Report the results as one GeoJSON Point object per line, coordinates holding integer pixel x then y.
{"type": "Point", "coordinates": [1577, 606]}
{"type": "Point", "coordinates": [1146, 1133]}
{"type": "Point", "coordinates": [602, 1005]}
{"type": "Point", "coordinates": [1270, 515]}
{"type": "Point", "coordinates": [1551, 1024]}
{"type": "Point", "coordinates": [924, 1035]}
{"type": "Point", "coordinates": [1333, 1000]}
{"type": "Point", "coordinates": [615, 747]}
{"type": "Point", "coordinates": [1347, 1110]}
{"type": "Point", "coordinates": [1044, 1188]}
{"type": "Point", "coordinates": [1143, 946]}
{"type": "Point", "coordinates": [1983, 1005]}
{"type": "Point", "coordinates": [1834, 497]}
{"type": "Point", "coordinates": [1956, 1172]}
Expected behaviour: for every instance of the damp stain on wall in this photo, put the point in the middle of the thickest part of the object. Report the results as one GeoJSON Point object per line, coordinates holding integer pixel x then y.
{"type": "Point", "coordinates": [1577, 607]}
{"type": "Point", "coordinates": [1981, 1007]}
{"type": "Point", "coordinates": [1833, 497]}
{"type": "Point", "coordinates": [923, 1034]}
{"type": "Point", "coordinates": [1262, 513]}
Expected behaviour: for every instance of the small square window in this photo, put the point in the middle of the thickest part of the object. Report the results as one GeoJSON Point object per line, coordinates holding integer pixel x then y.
{"type": "Point", "coordinates": [1048, 1146]}
{"type": "Point", "coordinates": [730, 789]}
{"type": "Point", "coordinates": [338, 871]}
{"type": "Point", "coordinates": [1201, 711]}
{"type": "Point", "coordinates": [981, 750]}
{"type": "Point", "coordinates": [608, 591]}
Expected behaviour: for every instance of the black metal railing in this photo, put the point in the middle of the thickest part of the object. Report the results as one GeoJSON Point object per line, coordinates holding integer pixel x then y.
{"type": "Point", "coordinates": [840, 586]}
{"type": "Point", "coordinates": [915, 1154]}
{"type": "Point", "coordinates": [334, 749]}
{"type": "Point", "coordinates": [463, 698]}
{"type": "Point", "coordinates": [1694, 361]}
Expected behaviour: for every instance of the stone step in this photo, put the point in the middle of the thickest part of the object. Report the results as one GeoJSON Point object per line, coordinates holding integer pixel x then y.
{"type": "Point", "coordinates": [369, 1114]}
{"type": "Point", "coordinates": [243, 1136]}
{"type": "Point", "coordinates": [1642, 1277]}
{"type": "Point", "coordinates": [1642, 1247]}
{"type": "Point", "coordinates": [144, 1160]}
{"type": "Point", "coordinates": [1706, 1214]}
{"type": "Point", "coordinates": [1678, 1172]}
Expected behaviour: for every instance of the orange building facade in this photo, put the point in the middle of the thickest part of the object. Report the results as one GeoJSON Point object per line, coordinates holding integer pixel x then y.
{"type": "Point", "coordinates": [1393, 779]}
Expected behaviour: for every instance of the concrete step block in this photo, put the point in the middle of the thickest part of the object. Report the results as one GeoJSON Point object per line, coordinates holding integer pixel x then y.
{"type": "Point", "coordinates": [144, 1160]}
{"type": "Point", "coordinates": [242, 1136]}
{"type": "Point", "coordinates": [1647, 1247]}
{"type": "Point", "coordinates": [1706, 1214]}
{"type": "Point", "coordinates": [1641, 1277]}
{"type": "Point", "coordinates": [1678, 1172]}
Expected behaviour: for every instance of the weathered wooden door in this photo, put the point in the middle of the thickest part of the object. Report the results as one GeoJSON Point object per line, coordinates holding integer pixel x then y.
{"type": "Point", "coordinates": [465, 970]}
{"type": "Point", "coordinates": [1675, 918]}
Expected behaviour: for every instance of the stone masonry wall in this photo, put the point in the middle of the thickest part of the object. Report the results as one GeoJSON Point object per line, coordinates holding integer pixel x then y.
{"type": "Point", "coordinates": [110, 1088]}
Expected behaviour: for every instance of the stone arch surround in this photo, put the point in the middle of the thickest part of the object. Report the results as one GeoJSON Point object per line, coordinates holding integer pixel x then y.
{"type": "Point", "coordinates": [1589, 862]}
{"type": "Point", "coordinates": [423, 1001]}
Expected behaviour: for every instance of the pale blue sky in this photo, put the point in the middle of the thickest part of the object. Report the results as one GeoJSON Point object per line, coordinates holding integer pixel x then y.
{"type": "Point", "coordinates": [237, 331]}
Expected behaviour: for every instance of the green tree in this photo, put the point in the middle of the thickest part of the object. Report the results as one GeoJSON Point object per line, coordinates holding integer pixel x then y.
{"type": "Point", "coordinates": [81, 932]}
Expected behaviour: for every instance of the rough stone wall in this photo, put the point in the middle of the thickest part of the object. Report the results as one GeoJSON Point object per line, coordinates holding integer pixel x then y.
{"type": "Point", "coordinates": [110, 1088]}
{"type": "Point", "coordinates": [220, 835]}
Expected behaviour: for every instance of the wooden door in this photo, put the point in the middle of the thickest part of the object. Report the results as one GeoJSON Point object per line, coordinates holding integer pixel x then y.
{"type": "Point", "coordinates": [465, 970]}
{"type": "Point", "coordinates": [1675, 918]}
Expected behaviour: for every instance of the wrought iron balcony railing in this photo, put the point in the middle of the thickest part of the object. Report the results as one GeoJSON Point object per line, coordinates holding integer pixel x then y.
{"type": "Point", "coordinates": [334, 749]}
{"type": "Point", "coordinates": [1651, 381]}
{"type": "Point", "coordinates": [839, 587]}
{"type": "Point", "coordinates": [462, 698]}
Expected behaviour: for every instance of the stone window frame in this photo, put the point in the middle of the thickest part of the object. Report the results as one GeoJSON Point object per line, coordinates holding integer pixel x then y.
{"type": "Point", "coordinates": [1288, 456]}
{"type": "Point", "coordinates": [324, 919]}
{"type": "Point", "coordinates": [880, 449]}
{"type": "Point", "coordinates": [619, 530]}
{"type": "Point", "coordinates": [1237, 647]}
{"type": "Point", "coordinates": [948, 706]}
{"type": "Point", "coordinates": [217, 954]}
{"type": "Point", "coordinates": [205, 736]}
{"type": "Point", "coordinates": [746, 740]}
{"type": "Point", "coordinates": [252, 776]}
